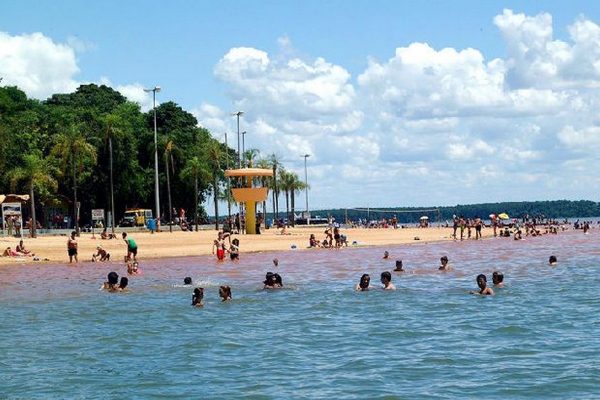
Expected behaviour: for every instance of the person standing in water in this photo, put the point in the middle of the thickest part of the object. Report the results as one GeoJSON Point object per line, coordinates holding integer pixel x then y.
{"type": "Point", "coordinates": [72, 248]}
{"type": "Point", "coordinates": [444, 266]}
{"type": "Point", "coordinates": [225, 293]}
{"type": "Point", "coordinates": [197, 297]}
{"type": "Point", "coordinates": [386, 280]}
{"type": "Point", "coordinates": [364, 284]}
{"type": "Point", "coordinates": [483, 289]}
{"type": "Point", "coordinates": [498, 279]}
{"type": "Point", "coordinates": [131, 247]}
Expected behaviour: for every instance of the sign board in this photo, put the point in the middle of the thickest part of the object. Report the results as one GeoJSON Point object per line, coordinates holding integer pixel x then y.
{"type": "Point", "coordinates": [97, 214]}
{"type": "Point", "coordinates": [12, 210]}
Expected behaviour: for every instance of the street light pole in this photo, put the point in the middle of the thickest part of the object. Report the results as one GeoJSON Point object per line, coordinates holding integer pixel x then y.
{"type": "Point", "coordinates": [156, 190]}
{"type": "Point", "coordinates": [306, 189]}
{"type": "Point", "coordinates": [244, 146]}
{"type": "Point", "coordinates": [238, 114]}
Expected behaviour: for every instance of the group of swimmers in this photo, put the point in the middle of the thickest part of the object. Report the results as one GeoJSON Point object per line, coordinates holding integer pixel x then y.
{"type": "Point", "coordinates": [113, 284]}
{"type": "Point", "coordinates": [198, 295]}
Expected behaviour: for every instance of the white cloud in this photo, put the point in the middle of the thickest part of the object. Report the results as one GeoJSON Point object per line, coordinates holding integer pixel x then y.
{"type": "Point", "coordinates": [37, 65]}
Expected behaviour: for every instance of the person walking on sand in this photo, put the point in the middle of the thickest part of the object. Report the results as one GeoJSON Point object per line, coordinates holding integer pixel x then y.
{"type": "Point", "coordinates": [131, 247]}
{"type": "Point", "coordinates": [72, 248]}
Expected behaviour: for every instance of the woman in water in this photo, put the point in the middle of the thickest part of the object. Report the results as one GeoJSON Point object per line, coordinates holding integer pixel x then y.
{"type": "Point", "coordinates": [552, 260]}
{"type": "Point", "coordinates": [272, 281]}
{"type": "Point", "coordinates": [234, 250]}
{"type": "Point", "coordinates": [483, 289]}
{"type": "Point", "coordinates": [123, 284]}
{"type": "Point", "coordinates": [197, 297]}
{"type": "Point", "coordinates": [225, 293]}
{"type": "Point", "coordinates": [363, 285]}
{"type": "Point", "coordinates": [386, 280]}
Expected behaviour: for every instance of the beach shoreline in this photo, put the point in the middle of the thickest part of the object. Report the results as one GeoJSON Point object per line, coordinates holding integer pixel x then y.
{"type": "Point", "coordinates": [53, 249]}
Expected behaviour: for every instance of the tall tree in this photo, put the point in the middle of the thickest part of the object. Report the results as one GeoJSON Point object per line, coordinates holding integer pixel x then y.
{"type": "Point", "coordinates": [196, 170]}
{"type": "Point", "coordinates": [275, 161]}
{"type": "Point", "coordinates": [36, 172]}
{"type": "Point", "coordinates": [74, 152]}
{"type": "Point", "coordinates": [214, 155]}
{"type": "Point", "coordinates": [295, 185]}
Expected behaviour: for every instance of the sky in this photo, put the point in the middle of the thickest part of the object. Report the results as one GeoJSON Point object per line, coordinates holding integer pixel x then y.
{"type": "Point", "coordinates": [398, 103]}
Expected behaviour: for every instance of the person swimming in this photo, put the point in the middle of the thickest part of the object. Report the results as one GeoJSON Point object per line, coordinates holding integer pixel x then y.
{"type": "Point", "coordinates": [444, 266]}
{"type": "Point", "coordinates": [386, 255]}
{"type": "Point", "coordinates": [187, 280]}
{"type": "Point", "coordinates": [197, 297]}
{"type": "Point", "coordinates": [386, 280]}
{"type": "Point", "coordinates": [133, 268]}
{"type": "Point", "coordinates": [270, 281]}
{"type": "Point", "coordinates": [123, 284]}
{"type": "Point", "coordinates": [363, 285]}
{"type": "Point", "coordinates": [552, 260]}
{"type": "Point", "coordinates": [399, 266]}
{"type": "Point", "coordinates": [112, 282]}
{"type": "Point", "coordinates": [276, 262]}
{"type": "Point", "coordinates": [498, 279]}
{"type": "Point", "coordinates": [225, 293]}
{"type": "Point", "coordinates": [483, 289]}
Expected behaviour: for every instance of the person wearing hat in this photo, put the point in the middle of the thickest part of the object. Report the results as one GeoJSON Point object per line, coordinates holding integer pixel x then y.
{"type": "Point", "coordinates": [101, 255]}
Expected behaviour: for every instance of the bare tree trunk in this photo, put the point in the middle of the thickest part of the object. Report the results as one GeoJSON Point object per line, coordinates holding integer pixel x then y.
{"type": "Point", "coordinates": [33, 219]}
{"type": "Point", "coordinates": [216, 195]}
{"type": "Point", "coordinates": [112, 196]}
{"type": "Point", "coordinates": [169, 195]}
{"type": "Point", "coordinates": [293, 211]}
{"type": "Point", "coordinates": [287, 205]}
{"type": "Point", "coordinates": [196, 201]}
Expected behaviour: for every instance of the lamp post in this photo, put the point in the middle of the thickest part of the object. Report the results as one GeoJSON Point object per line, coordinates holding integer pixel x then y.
{"type": "Point", "coordinates": [306, 189]}
{"type": "Point", "coordinates": [154, 90]}
{"type": "Point", "coordinates": [244, 146]}
{"type": "Point", "coordinates": [238, 114]}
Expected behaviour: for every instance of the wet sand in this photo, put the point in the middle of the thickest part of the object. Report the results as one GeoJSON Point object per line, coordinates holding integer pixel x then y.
{"type": "Point", "coordinates": [176, 244]}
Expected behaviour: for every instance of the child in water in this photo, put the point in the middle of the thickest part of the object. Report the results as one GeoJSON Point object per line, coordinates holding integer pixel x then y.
{"type": "Point", "coordinates": [234, 250]}
{"type": "Point", "coordinates": [363, 285]}
{"type": "Point", "coordinates": [225, 293]}
{"type": "Point", "coordinates": [386, 280]}
{"type": "Point", "coordinates": [133, 268]}
{"type": "Point", "coordinates": [112, 282]}
{"type": "Point", "coordinates": [483, 289]}
{"type": "Point", "coordinates": [498, 279]}
{"type": "Point", "coordinates": [444, 266]}
{"type": "Point", "coordinates": [386, 255]}
{"type": "Point", "coordinates": [399, 267]}
{"type": "Point", "coordinates": [552, 260]}
{"type": "Point", "coordinates": [123, 284]}
{"type": "Point", "coordinates": [197, 297]}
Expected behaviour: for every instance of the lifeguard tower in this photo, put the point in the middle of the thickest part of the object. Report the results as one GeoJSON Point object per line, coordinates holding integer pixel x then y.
{"type": "Point", "coordinates": [249, 194]}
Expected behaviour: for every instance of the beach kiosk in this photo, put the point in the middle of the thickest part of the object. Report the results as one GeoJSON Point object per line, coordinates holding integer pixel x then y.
{"type": "Point", "coordinates": [249, 194]}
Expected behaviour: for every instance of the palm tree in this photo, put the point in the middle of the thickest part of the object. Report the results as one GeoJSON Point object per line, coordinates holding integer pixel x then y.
{"type": "Point", "coordinates": [265, 182]}
{"type": "Point", "coordinates": [37, 172]}
{"type": "Point", "coordinates": [196, 170]}
{"type": "Point", "coordinates": [74, 151]}
{"type": "Point", "coordinates": [111, 122]}
{"type": "Point", "coordinates": [168, 155]}
{"type": "Point", "coordinates": [275, 164]}
{"type": "Point", "coordinates": [249, 158]}
{"type": "Point", "coordinates": [295, 185]}
{"type": "Point", "coordinates": [214, 155]}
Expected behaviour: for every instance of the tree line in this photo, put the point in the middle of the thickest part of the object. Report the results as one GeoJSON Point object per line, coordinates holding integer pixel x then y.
{"type": "Point", "coordinates": [96, 148]}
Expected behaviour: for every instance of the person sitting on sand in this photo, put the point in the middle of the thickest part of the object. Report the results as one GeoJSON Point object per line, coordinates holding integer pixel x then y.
{"type": "Point", "coordinates": [444, 266]}
{"type": "Point", "coordinates": [313, 242]}
{"type": "Point", "coordinates": [343, 240]}
{"type": "Point", "coordinates": [123, 284]}
{"type": "Point", "coordinates": [552, 260]}
{"type": "Point", "coordinates": [101, 255]}
{"type": "Point", "coordinates": [498, 279]}
{"type": "Point", "coordinates": [284, 230]}
{"type": "Point", "coordinates": [22, 250]}
{"type": "Point", "coordinates": [386, 255]}
{"type": "Point", "coordinates": [363, 285]}
{"type": "Point", "coordinates": [483, 289]}
{"type": "Point", "coordinates": [187, 281]}
{"type": "Point", "coordinates": [112, 282]}
{"type": "Point", "coordinates": [225, 293]}
{"type": "Point", "coordinates": [197, 297]}
{"type": "Point", "coordinates": [386, 280]}
{"type": "Point", "coordinates": [106, 235]}
{"type": "Point", "coordinates": [399, 266]}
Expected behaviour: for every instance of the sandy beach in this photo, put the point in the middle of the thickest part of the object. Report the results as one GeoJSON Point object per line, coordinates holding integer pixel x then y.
{"type": "Point", "coordinates": [166, 244]}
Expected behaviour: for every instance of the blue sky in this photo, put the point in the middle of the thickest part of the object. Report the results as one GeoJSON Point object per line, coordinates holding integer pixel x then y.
{"type": "Point", "coordinates": [186, 48]}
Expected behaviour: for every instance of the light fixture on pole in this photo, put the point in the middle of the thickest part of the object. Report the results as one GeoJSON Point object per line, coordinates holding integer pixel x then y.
{"type": "Point", "coordinates": [238, 114]}
{"type": "Point", "coordinates": [154, 90]}
{"type": "Point", "coordinates": [244, 146]}
{"type": "Point", "coordinates": [306, 189]}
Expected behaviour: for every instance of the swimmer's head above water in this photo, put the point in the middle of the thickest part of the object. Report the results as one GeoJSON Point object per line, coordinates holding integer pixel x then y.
{"type": "Point", "coordinates": [386, 277]}
{"type": "Point", "coordinates": [497, 278]}
{"type": "Point", "coordinates": [197, 297]}
{"type": "Point", "coordinates": [552, 260]}
{"type": "Point", "coordinates": [386, 254]}
{"type": "Point", "coordinates": [399, 267]}
{"type": "Point", "coordinates": [365, 280]}
{"type": "Point", "coordinates": [481, 281]}
{"type": "Point", "coordinates": [187, 280]}
{"type": "Point", "coordinates": [225, 293]}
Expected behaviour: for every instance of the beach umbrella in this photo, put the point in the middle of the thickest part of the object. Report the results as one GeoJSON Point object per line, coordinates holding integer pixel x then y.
{"type": "Point", "coordinates": [424, 217]}
{"type": "Point", "coordinates": [503, 216]}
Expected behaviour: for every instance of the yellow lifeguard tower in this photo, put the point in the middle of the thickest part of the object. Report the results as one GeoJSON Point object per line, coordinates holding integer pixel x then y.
{"type": "Point", "coordinates": [249, 194]}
